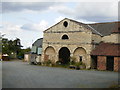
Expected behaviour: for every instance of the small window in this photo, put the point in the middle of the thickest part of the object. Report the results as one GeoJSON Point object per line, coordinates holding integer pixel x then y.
{"type": "Point", "coordinates": [65, 37]}
{"type": "Point", "coordinates": [65, 23]}
{"type": "Point", "coordinates": [80, 58]}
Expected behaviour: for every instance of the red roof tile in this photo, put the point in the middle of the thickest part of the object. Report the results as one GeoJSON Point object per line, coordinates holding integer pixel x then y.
{"type": "Point", "coordinates": [107, 49]}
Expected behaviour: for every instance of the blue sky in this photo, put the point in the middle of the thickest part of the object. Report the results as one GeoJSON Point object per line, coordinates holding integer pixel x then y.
{"type": "Point", "coordinates": [28, 20]}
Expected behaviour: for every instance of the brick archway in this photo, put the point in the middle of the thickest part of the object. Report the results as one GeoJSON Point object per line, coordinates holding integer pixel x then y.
{"type": "Point", "coordinates": [79, 54]}
{"type": "Point", "coordinates": [64, 55]}
{"type": "Point", "coordinates": [49, 54]}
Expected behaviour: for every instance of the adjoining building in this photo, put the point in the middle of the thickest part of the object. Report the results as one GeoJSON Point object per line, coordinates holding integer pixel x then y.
{"type": "Point", "coordinates": [36, 51]}
{"type": "Point", "coordinates": [69, 38]}
{"type": "Point", "coordinates": [106, 56]}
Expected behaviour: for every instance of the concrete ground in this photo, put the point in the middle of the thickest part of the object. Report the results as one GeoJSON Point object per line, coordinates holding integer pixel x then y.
{"type": "Point", "coordinates": [0, 75]}
{"type": "Point", "coordinates": [18, 74]}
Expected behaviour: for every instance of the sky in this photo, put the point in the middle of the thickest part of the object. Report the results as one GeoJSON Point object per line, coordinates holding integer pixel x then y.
{"type": "Point", "coordinates": [28, 20]}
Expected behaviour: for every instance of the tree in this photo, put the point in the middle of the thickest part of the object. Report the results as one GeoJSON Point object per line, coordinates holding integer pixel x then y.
{"type": "Point", "coordinates": [22, 52]}
{"type": "Point", "coordinates": [13, 46]}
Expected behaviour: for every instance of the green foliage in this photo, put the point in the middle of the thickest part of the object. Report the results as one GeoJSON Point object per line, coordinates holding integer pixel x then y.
{"type": "Point", "coordinates": [9, 46]}
{"type": "Point", "coordinates": [115, 86]}
{"type": "Point", "coordinates": [72, 62]}
{"type": "Point", "coordinates": [13, 46]}
{"type": "Point", "coordinates": [22, 52]}
{"type": "Point", "coordinates": [58, 63]}
{"type": "Point", "coordinates": [78, 64]}
{"type": "Point", "coordinates": [48, 62]}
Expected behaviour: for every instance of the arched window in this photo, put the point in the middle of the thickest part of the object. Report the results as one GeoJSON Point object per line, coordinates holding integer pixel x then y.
{"type": "Point", "coordinates": [65, 37]}
{"type": "Point", "coordinates": [65, 24]}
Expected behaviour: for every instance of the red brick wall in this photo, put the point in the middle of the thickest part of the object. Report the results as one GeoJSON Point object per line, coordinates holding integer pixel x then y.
{"type": "Point", "coordinates": [116, 63]}
{"type": "Point", "coordinates": [101, 64]}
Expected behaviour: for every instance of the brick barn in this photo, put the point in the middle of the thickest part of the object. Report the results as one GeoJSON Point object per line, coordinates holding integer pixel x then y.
{"type": "Point", "coordinates": [95, 44]}
{"type": "Point", "coordinates": [106, 56]}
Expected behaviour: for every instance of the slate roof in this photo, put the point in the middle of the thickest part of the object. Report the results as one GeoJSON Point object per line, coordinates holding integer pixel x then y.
{"type": "Point", "coordinates": [117, 29]}
{"type": "Point", "coordinates": [88, 26]}
{"type": "Point", "coordinates": [102, 29]}
{"type": "Point", "coordinates": [107, 49]}
{"type": "Point", "coordinates": [38, 42]}
{"type": "Point", "coordinates": [105, 28]}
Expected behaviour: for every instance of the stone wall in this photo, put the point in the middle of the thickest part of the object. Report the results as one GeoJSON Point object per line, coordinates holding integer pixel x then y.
{"type": "Point", "coordinates": [79, 37]}
{"type": "Point", "coordinates": [112, 38]}
{"type": "Point", "coordinates": [96, 38]}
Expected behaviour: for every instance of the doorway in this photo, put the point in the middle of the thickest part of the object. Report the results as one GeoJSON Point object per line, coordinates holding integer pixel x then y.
{"type": "Point", "coordinates": [110, 63]}
{"type": "Point", "coordinates": [94, 62]}
{"type": "Point", "coordinates": [64, 55]}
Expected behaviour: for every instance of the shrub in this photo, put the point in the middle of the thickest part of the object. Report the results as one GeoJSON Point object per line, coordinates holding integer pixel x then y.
{"type": "Point", "coordinates": [58, 63]}
{"type": "Point", "coordinates": [80, 65]}
{"type": "Point", "coordinates": [72, 62]}
{"type": "Point", "coordinates": [48, 62]}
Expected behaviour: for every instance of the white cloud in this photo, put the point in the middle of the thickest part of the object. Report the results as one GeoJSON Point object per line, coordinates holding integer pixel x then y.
{"type": "Point", "coordinates": [9, 28]}
{"type": "Point", "coordinates": [41, 26]}
{"type": "Point", "coordinates": [59, 0]}
{"type": "Point", "coordinates": [59, 19]}
{"type": "Point", "coordinates": [25, 6]}
{"type": "Point", "coordinates": [91, 11]}
{"type": "Point", "coordinates": [27, 37]}
{"type": "Point", "coordinates": [62, 9]}
{"type": "Point", "coordinates": [109, 9]}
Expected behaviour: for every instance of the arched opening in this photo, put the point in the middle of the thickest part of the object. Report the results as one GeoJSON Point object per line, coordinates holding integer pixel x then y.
{"type": "Point", "coordinates": [80, 54]}
{"type": "Point", "coordinates": [65, 37]}
{"type": "Point", "coordinates": [49, 54]}
{"type": "Point", "coordinates": [64, 55]}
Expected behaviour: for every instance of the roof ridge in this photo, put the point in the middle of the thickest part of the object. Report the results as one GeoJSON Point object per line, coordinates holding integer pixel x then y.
{"type": "Point", "coordinates": [95, 30]}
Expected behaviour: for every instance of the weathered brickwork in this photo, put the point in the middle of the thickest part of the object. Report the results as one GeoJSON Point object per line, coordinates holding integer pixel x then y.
{"type": "Point", "coordinates": [82, 39]}
{"type": "Point", "coordinates": [79, 42]}
{"type": "Point", "coordinates": [101, 63]}
{"type": "Point", "coordinates": [113, 38]}
{"type": "Point", "coordinates": [116, 63]}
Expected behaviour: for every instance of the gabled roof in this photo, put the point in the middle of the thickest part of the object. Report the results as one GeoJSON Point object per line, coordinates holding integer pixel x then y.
{"type": "Point", "coordinates": [38, 42]}
{"type": "Point", "coordinates": [101, 29]}
{"type": "Point", "coordinates": [79, 23]}
{"type": "Point", "coordinates": [107, 49]}
{"type": "Point", "coordinates": [88, 27]}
